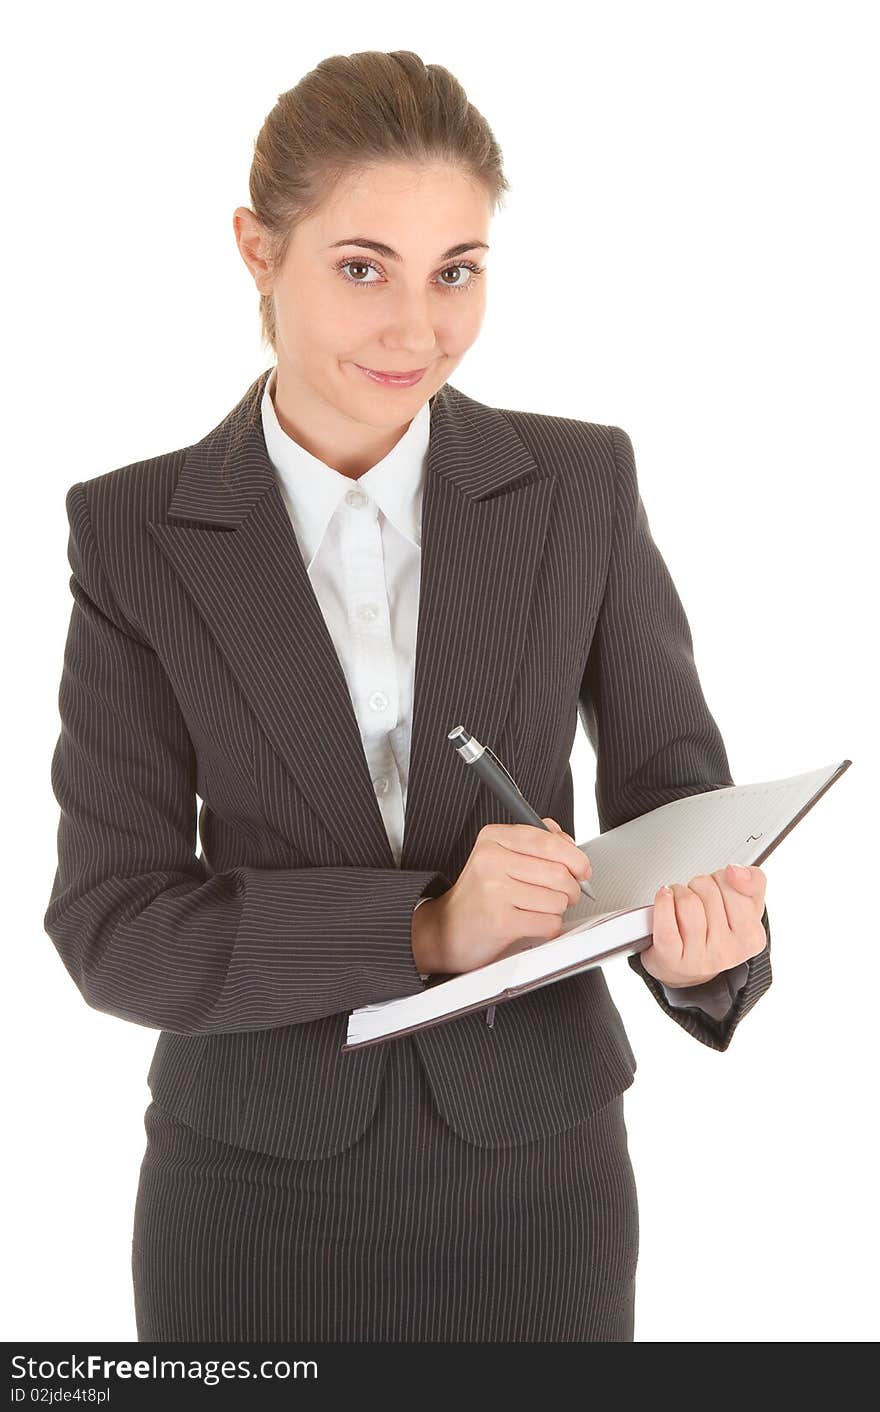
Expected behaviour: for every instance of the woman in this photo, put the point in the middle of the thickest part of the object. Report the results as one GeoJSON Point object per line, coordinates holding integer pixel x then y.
{"type": "Point", "coordinates": [244, 629]}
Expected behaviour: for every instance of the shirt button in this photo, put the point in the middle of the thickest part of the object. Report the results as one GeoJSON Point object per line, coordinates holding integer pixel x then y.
{"type": "Point", "coordinates": [355, 498]}
{"type": "Point", "coordinates": [367, 611]}
{"type": "Point", "coordinates": [379, 701]}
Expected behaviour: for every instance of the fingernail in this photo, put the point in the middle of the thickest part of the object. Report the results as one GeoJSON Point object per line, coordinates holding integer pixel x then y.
{"type": "Point", "coordinates": [743, 872]}
{"type": "Point", "coordinates": [664, 888]}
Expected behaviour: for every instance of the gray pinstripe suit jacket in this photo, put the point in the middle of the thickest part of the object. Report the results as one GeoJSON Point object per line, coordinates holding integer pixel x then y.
{"type": "Point", "coordinates": [198, 662]}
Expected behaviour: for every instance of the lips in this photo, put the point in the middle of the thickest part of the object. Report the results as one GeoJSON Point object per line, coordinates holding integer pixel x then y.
{"type": "Point", "coordinates": [391, 379]}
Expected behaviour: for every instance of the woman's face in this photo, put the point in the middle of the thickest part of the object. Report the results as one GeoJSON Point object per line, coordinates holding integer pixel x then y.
{"type": "Point", "coordinates": [339, 304]}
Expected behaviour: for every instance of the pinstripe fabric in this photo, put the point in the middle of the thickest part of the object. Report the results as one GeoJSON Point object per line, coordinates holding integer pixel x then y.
{"type": "Point", "coordinates": [411, 1235]}
{"type": "Point", "coordinates": [198, 661]}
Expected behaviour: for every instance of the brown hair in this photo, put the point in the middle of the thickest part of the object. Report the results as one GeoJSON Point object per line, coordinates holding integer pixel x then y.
{"type": "Point", "coordinates": [353, 111]}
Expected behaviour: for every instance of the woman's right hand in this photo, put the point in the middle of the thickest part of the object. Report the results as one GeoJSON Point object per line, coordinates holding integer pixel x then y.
{"type": "Point", "coordinates": [517, 882]}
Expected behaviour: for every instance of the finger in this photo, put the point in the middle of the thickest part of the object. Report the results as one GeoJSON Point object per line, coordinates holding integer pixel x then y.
{"type": "Point", "coordinates": [719, 941]}
{"type": "Point", "coordinates": [744, 910]}
{"type": "Point", "coordinates": [532, 897]}
{"type": "Point", "coordinates": [549, 874]}
{"type": "Point", "coordinates": [748, 882]}
{"type": "Point", "coordinates": [534, 841]}
{"type": "Point", "coordinates": [743, 901]}
{"type": "Point", "coordinates": [693, 928]}
{"type": "Point", "coordinates": [667, 939]}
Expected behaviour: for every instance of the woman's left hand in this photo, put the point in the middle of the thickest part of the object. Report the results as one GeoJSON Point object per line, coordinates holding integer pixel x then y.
{"type": "Point", "coordinates": [707, 927]}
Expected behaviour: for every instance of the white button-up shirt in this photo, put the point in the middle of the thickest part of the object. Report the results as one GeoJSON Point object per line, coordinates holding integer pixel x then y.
{"type": "Point", "coordinates": [361, 543]}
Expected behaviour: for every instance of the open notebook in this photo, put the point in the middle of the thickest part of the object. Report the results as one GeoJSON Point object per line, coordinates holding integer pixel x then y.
{"type": "Point", "coordinates": [698, 834]}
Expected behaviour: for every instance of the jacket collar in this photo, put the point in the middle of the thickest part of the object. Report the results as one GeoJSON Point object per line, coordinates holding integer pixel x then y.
{"type": "Point", "coordinates": [228, 535]}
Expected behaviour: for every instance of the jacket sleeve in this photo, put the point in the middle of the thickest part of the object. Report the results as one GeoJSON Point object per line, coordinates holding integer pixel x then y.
{"type": "Point", "coordinates": [142, 926]}
{"type": "Point", "coordinates": [655, 740]}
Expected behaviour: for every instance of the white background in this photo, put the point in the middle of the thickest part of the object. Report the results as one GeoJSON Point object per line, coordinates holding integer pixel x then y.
{"type": "Point", "coordinates": [689, 252]}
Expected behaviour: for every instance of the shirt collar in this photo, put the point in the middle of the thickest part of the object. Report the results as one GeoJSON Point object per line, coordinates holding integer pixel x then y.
{"type": "Point", "coordinates": [312, 490]}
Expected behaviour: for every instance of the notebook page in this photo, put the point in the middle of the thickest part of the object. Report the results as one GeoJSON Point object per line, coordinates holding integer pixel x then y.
{"type": "Point", "coordinates": [697, 834]}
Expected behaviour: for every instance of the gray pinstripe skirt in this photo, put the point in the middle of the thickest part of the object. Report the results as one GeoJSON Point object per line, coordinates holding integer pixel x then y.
{"type": "Point", "coordinates": [412, 1234]}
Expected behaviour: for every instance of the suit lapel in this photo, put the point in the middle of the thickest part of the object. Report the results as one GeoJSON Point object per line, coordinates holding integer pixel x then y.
{"type": "Point", "coordinates": [227, 534]}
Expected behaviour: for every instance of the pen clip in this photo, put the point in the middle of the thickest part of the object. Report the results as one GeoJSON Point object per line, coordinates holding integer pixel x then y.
{"type": "Point", "coordinates": [487, 751]}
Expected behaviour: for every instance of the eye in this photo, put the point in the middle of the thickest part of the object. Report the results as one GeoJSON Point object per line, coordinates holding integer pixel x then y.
{"type": "Point", "coordinates": [475, 272]}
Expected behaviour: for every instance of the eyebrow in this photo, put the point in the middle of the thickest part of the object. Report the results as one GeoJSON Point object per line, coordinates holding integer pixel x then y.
{"type": "Point", "coordinates": [390, 254]}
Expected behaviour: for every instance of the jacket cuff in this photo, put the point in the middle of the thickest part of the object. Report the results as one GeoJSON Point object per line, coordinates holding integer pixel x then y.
{"type": "Point", "coordinates": [715, 997]}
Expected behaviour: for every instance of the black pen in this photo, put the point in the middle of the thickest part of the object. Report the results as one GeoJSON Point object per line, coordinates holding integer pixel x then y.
{"type": "Point", "coordinates": [504, 787]}
{"type": "Point", "coordinates": [502, 784]}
